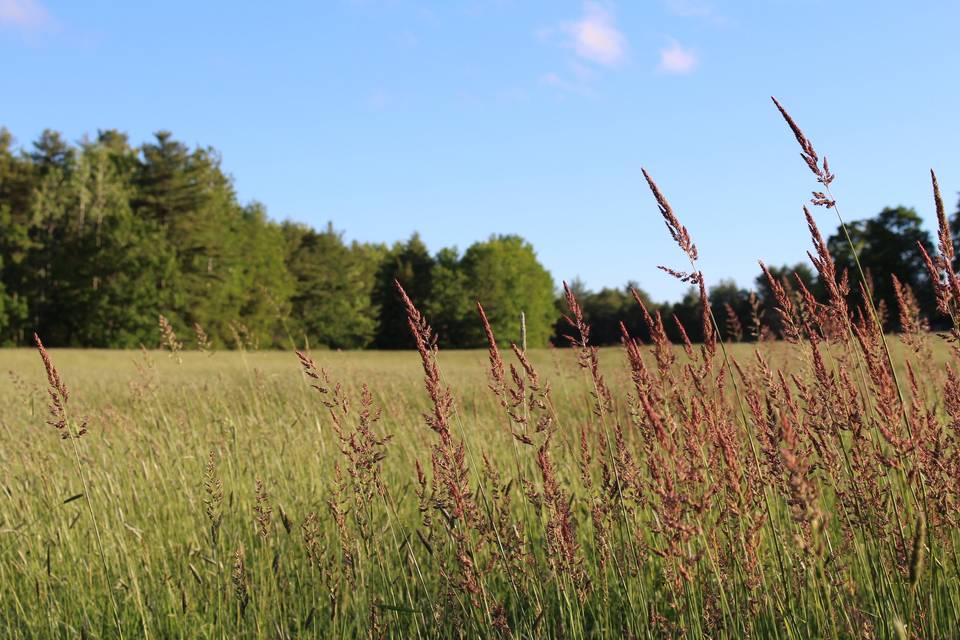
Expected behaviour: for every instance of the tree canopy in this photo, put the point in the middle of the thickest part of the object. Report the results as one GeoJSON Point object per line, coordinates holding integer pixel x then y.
{"type": "Point", "coordinates": [888, 245]}
{"type": "Point", "coordinates": [99, 238]}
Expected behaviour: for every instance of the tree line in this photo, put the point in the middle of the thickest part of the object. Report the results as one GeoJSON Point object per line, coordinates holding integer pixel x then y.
{"type": "Point", "coordinates": [100, 238]}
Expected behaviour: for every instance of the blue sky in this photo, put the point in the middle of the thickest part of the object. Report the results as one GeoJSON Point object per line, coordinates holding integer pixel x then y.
{"type": "Point", "coordinates": [463, 118]}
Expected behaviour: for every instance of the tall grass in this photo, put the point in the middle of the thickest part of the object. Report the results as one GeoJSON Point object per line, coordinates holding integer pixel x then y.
{"type": "Point", "coordinates": [807, 487]}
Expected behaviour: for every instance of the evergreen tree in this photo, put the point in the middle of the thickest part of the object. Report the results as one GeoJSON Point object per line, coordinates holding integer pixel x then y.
{"type": "Point", "coordinates": [109, 264]}
{"type": "Point", "coordinates": [687, 313]}
{"type": "Point", "coordinates": [264, 283]}
{"type": "Point", "coordinates": [331, 303]}
{"type": "Point", "coordinates": [16, 184]}
{"type": "Point", "coordinates": [97, 238]}
{"type": "Point", "coordinates": [450, 308]}
{"type": "Point", "coordinates": [412, 265]}
{"type": "Point", "coordinates": [603, 310]}
{"type": "Point", "coordinates": [52, 220]}
{"type": "Point", "coordinates": [632, 314]}
{"type": "Point", "coordinates": [192, 200]}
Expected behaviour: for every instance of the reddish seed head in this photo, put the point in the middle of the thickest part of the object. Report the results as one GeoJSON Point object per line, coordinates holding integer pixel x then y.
{"type": "Point", "coordinates": [53, 376]}
{"type": "Point", "coordinates": [810, 157]}
{"type": "Point", "coordinates": [496, 362]}
{"type": "Point", "coordinates": [678, 232]}
{"type": "Point", "coordinates": [943, 227]}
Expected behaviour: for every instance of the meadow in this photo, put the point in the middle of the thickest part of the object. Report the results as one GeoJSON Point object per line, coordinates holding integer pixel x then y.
{"type": "Point", "coordinates": [323, 553]}
{"type": "Point", "coordinates": [802, 487]}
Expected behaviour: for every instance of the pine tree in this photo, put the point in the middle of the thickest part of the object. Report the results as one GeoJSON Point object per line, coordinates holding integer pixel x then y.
{"type": "Point", "coordinates": [332, 302]}
{"type": "Point", "coordinates": [411, 265]}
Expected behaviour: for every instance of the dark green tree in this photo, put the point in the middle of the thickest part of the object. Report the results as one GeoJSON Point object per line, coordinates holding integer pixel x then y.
{"type": "Point", "coordinates": [504, 274]}
{"type": "Point", "coordinates": [954, 224]}
{"type": "Point", "coordinates": [603, 311]}
{"type": "Point", "coordinates": [887, 245]}
{"type": "Point", "coordinates": [632, 314]}
{"type": "Point", "coordinates": [788, 277]}
{"type": "Point", "coordinates": [108, 264]}
{"type": "Point", "coordinates": [263, 282]}
{"type": "Point", "coordinates": [333, 284]}
{"type": "Point", "coordinates": [48, 228]}
{"type": "Point", "coordinates": [411, 264]}
{"type": "Point", "coordinates": [16, 186]}
{"type": "Point", "coordinates": [450, 307]}
{"type": "Point", "coordinates": [186, 193]}
{"type": "Point", "coordinates": [99, 237]}
{"type": "Point", "coordinates": [687, 312]}
{"type": "Point", "coordinates": [727, 298]}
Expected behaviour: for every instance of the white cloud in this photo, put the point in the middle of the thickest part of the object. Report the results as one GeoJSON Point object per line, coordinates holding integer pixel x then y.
{"type": "Point", "coordinates": [678, 60]}
{"type": "Point", "coordinates": [595, 42]}
{"type": "Point", "coordinates": [595, 37]}
{"type": "Point", "coordinates": [23, 14]}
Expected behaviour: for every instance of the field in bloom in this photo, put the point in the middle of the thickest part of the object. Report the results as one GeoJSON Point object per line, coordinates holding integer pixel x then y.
{"type": "Point", "coordinates": [237, 495]}
{"type": "Point", "coordinates": [801, 488]}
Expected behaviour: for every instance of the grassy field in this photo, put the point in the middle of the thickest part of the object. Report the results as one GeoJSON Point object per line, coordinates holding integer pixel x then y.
{"type": "Point", "coordinates": [679, 504]}
{"type": "Point", "coordinates": [804, 488]}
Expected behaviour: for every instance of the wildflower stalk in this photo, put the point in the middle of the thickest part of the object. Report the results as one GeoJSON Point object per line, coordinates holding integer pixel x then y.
{"type": "Point", "coordinates": [821, 170]}
{"type": "Point", "coordinates": [682, 237]}
{"type": "Point", "coordinates": [826, 199]}
{"type": "Point", "coordinates": [59, 397]}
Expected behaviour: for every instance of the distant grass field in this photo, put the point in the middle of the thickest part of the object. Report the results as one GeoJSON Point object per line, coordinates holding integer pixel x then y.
{"type": "Point", "coordinates": [542, 555]}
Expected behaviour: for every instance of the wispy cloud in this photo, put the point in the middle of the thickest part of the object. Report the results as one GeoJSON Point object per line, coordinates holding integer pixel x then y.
{"type": "Point", "coordinates": [593, 37]}
{"type": "Point", "coordinates": [564, 84]}
{"type": "Point", "coordinates": [595, 42]}
{"type": "Point", "coordinates": [678, 60]}
{"type": "Point", "coordinates": [25, 15]}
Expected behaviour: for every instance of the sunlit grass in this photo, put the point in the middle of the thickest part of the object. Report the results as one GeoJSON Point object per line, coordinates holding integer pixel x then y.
{"type": "Point", "coordinates": [152, 423]}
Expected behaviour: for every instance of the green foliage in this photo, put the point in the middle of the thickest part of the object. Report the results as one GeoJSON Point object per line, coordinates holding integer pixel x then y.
{"type": "Point", "coordinates": [264, 285]}
{"type": "Point", "coordinates": [450, 307]}
{"type": "Point", "coordinates": [888, 246]}
{"type": "Point", "coordinates": [731, 309]}
{"type": "Point", "coordinates": [186, 194]}
{"type": "Point", "coordinates": [411, 265]}
{"type": "Point", "coordinates": [107, 264]}
{"type": "Point", "coordinates": [504, 275]}
{"type": "Point", "coordinates": [11, 310]}
{"type": "Point", "coordinates": [954, 223]}
{"type": "Point", "coordinates": [98, 239]}
{"type": "Point", "coordinates": [332, 301]}
{"type": "Point", "coordinates": [605, 310]}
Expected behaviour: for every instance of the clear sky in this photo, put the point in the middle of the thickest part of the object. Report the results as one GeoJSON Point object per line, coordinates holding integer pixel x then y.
{"type": "Point", "coordinates": [462, 118]}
